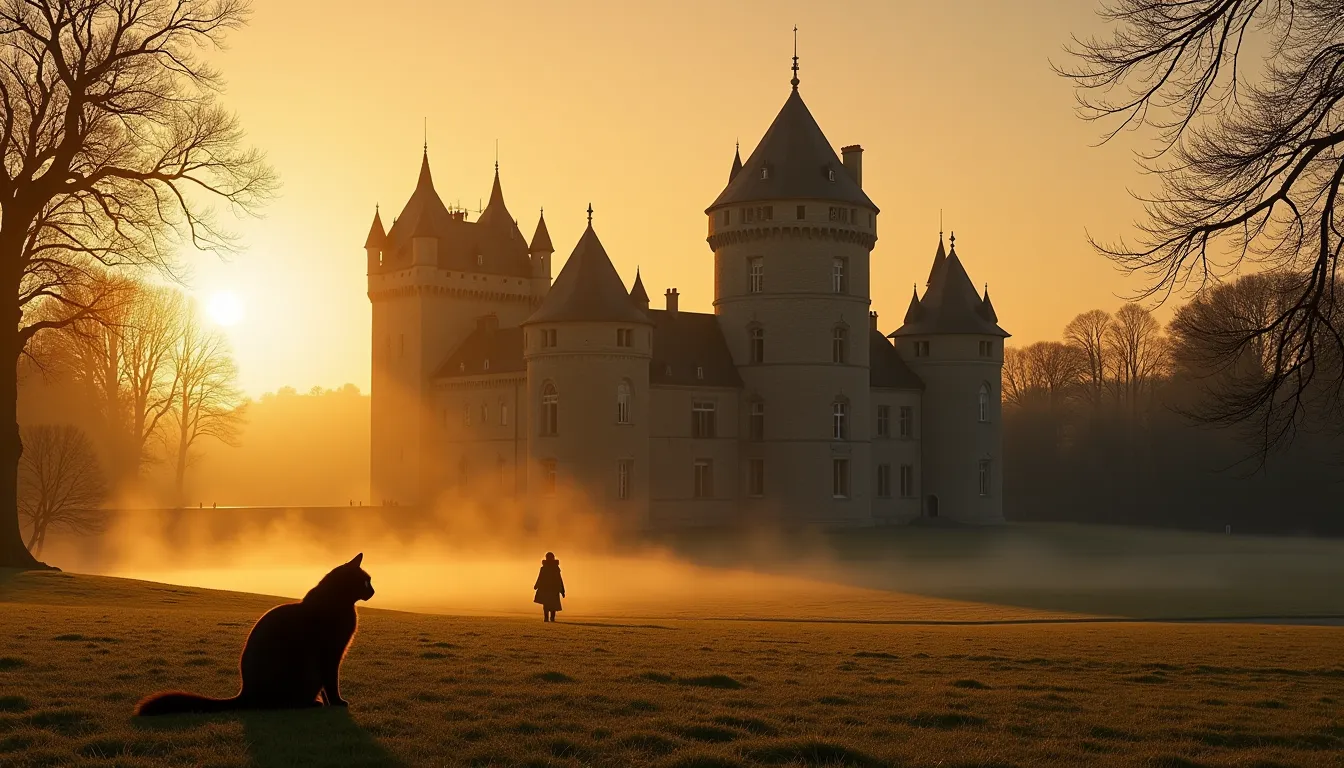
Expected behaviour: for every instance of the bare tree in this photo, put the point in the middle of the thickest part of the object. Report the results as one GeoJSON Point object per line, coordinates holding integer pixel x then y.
{"type": "Point", "coordinates": [1135, 343]}
{"type": "Point", "coordinates": [1087, 333]}
{"type": "Point", "coordinates": [149, 339]}
{"type": "Point", "coordinates": [207, 402]}
{"type": "Point", "coordinates": [60, 484]}
{"type": "Point", "coordinates": [1016, 376]}
{"type": "Point", "coordinates": [1057, 370]}
{"type": "Point", "coordinates": [1251, 163]}
{"type": "Point", "coordinates": [113, 142]}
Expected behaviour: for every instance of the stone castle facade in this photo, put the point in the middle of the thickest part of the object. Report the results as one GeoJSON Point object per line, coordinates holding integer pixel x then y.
{"type": "Point", "coordinates": [786, 404]}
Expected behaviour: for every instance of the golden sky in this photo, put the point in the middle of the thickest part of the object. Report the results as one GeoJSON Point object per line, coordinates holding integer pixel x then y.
{"type": "Point", "coordinates": [636, 110]}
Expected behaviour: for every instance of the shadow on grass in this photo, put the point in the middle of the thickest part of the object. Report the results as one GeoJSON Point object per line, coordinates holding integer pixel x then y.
{"type": "Point", "coordinates": [318, 737]}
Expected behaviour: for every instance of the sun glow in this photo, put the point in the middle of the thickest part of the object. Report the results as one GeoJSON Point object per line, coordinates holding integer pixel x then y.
{"type": "Point", "coordinates": [226, 308]}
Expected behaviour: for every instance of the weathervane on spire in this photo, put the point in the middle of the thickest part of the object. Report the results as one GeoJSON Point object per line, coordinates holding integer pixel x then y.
{"type": "Point", "coordinates": [590, 214]}
{"type": "Point", "coordinates": [794, 81]}
{"type": "Point", "coordinates": [426, 135]}
{"type": "Point", "coordinates": [496, 157]}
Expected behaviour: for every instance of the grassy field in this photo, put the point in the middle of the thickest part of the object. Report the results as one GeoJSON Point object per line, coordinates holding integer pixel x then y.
{"type": "Point", "coordinates": [76, 652]}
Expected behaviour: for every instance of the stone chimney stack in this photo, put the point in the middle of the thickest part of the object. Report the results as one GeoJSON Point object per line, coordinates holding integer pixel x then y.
{"type": "Point", "coordinates": [672, 297]}
{"type": "Point", "coordinates": [872, 321]}
{"type": "Point", "coordinates": [852, 156]}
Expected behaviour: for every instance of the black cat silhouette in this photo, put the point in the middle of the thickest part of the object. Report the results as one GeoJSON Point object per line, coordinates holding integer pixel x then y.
{"type": "Point", "coordinates": [293, 653]}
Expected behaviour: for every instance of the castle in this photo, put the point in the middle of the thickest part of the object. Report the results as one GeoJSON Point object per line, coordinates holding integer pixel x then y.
{"type": "Point", "coordinates": [787, 404]}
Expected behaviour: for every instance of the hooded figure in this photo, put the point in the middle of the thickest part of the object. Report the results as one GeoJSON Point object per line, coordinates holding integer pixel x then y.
{"type": "Point", "coordinates": [550, 587]}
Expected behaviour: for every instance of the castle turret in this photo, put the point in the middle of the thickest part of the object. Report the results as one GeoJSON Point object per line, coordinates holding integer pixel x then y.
{"type": "Point", "coordinates": [951, 339]}
{"type": "Point", "coordinates": [791, 234]}
{"type": "Point", "coordinates": [637, 293]}
{"type": "Point", "coordinates": [540, 252]}
{"type": "Point", "coordinates": [373, 244]}
{"type": "Point", "coordinates": [588, 349]}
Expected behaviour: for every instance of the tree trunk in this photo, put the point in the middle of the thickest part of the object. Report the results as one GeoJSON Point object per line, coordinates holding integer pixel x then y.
{"type": "Point", "coordinates": [13, 553]}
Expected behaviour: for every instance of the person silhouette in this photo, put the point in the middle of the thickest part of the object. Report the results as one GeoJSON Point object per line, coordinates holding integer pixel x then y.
{"type": "Point", "coordinates": [550, 587]}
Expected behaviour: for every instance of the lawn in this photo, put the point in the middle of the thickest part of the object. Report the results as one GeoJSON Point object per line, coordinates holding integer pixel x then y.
{"type": "Point", "coordinates": [78, 651]}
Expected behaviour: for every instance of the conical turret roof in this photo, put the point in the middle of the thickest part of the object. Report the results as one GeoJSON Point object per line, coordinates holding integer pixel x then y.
{"type": "Point", "coordinates": [541, 239]}
{"type": "Point", "coordinates": [793, 160]}
{"type": "Point", "coordinates": [950, 305]}
{"type": "Point", "coordinates": [987, 308]}
{"type": "Point", "coordinates": [912, 313]}
{"type": "Point", "coordinates": [938, 259]}
{"type": "Point", "coordinates": [588, 289]}
{"type": "Point", "coordinates": [423, 212]}
{"type": "Point", "coordinates": [495, 210]}
{"type": "Point", "coordinates": [737, 164]}
{"type": "Point", "coordinates": [638, 294]}
{"type": "Point", "coordinates": [377, 235]}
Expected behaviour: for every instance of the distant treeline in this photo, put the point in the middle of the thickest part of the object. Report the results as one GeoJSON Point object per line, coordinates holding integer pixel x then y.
{"type": "Point", "coordinates": [1125, 422]}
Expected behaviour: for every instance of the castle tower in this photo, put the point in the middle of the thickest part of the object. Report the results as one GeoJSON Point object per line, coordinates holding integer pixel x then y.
{"type": "Point", "coordinates": [952, 340]}
{"type": "Point", "coordinates": [587, 350]}
{"type": "Point", "coordinates": [436, 274]}
{"type": "Point", "coordinates": [791, 235]}
{"type": "Point", "coordinates": [540, 251]}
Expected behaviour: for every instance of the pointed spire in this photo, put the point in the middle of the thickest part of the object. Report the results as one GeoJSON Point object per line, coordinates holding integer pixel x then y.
{"type": "Point", "coordinates": [794, 81]}
{"type": "Point", "coordinates": [638, 294]}
{"type": "Point", "coordinates": [426, 181]}
{"type": "Point", "coordinates": [914, 312]}
{"type": "Point", "coordinates": [495, 207]}
{"type": "Point", "coordinates": [588, 289]}
{"type": "Point", "coordinates": [939, 258]}
{"type": "Point", "coordinates": [541, 239]}
{"type": "Point", "coordinates": [377, 236]}
{"type": "Point", "coordinates": [737, 161]}
{"type": "Point", "coordinates": [986, 308]}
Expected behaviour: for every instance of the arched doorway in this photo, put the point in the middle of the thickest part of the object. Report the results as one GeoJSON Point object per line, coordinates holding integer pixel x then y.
{"type": "Point", "coordinates": [933, 506]}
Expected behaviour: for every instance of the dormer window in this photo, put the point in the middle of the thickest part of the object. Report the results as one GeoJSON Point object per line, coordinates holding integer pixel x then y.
{"type": "Point", "coordinates": [480, 259]}
{"type": "Point", "coordinates": [830, 174]}
{"type": "Point", "coordinates": [485, 366]}
{"type": "Point", "coordinates": [765, 173]}
{"type": "Point", "coordinates": [699, 372]}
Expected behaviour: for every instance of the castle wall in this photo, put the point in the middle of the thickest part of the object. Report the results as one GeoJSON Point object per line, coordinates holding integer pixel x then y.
{"type": "Point", "coordinates": [480, 439]}
{"type": "Point", "coordinates": [896, 450]}
{"type": "Point", "coordinates": [674, 450]}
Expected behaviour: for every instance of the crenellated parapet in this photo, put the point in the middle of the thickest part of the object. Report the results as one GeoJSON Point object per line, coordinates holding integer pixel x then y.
{"type": "Point", "coordinates": [801, 231]}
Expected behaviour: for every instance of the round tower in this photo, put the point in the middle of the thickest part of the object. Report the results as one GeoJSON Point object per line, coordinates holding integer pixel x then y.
{"type": "Point", "coordinates": [587, 350]}
{"type": "Point", "coordinates": [952, 340]}
{"type": "Point", "coordinates": [791, 235]}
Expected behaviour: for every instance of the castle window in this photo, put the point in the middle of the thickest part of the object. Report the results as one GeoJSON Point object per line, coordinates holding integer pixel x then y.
{"type": "Point", "coordinates": [839, 427]}
{"type": "Point", "coordinates": [485, 366]}
{"type": "Point", "coordinates": [884, 481]}
{"type": "Point", "coordinates": [625, 337]}
{"type": "Point", "coordinates": [768, 213]}
{"type": "Point", "coordinates": [830, 174]}
{"type": "Point", "coordinates": [839, 276]}
{"type": "Point", "coordinates": [726, 217]}
{"type": "Point", "coordinates": [704, 478]}
{"type": "Point", "coordinates": [485, 413]}
{"type": "Point", "coordinates": [480, 259]}
{"type": "Point", "coordinates": [548, 337]}
{"type": "Point", "coordinates": [699, 372]}
{"type": "Point", "coordinates": [986, 348]}
{"type": "Point", "coordinates": [755, 274]}
{"type": "Point", "coordinates": [748, 215]}
{"type": "Point", "coordinates": [840, 478]}
{"type": "Point", "coordinates": [984, 477]}
{"type": "Point", "coordinates": [921, 349]}
{"type": "Point", "coordinates": [756, 477]}
{"type": "Point", "coordinates": [503, 414]}
{"type": "Point", "coordinates": [884, 421]}
{"type": "Point", "coordinates": [802, 212]}
{"type": "Point", "coordinates": [984, 403]}
{"type": "Point", "coordinates": [623, 403]}
{"type": "Point", "coordinates": [907, 481]}
{"type": "Point", "coordinates": [756, 422]}
{"type": "Point", "coordinates": [548, 476]}
{"type": "Point", "coordinates": [702, 419]}
{"type": "Point", "coordinates": [550, 410]}
{"type": "Point", "coordinates": [839, 345]}
{"type": "Point", "coordinates": [624, 469]}
{"type": "Point", "coordinates": [757, 344]}
{"type": "Point", "coordinates": [907, 424]}
{"type": "Point", "coordinates": [765, 173]}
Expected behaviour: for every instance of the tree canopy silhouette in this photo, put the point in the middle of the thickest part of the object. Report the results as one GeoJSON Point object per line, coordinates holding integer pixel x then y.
{"type": "Point", "coordinates": [1250, 162]}
{"type": "Point", "coordinates": [114, 146]}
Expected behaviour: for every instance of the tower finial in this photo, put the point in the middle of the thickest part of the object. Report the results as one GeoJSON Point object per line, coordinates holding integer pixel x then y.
{"type": "Point", "coordinates": [590, 214]}
{"type": "Point", "coordinates": [426, 135]}
{"type": "Point", "coordinates": [496, 157]}
{"type": "Point", "coordinates": [794, 81]}
{"type": "Point", "coordinates": [953, 240]}
{"type": "Point", "coordinates": [940, 223]}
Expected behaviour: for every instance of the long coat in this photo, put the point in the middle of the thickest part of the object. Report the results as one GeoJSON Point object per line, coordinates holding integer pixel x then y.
{"type": "Point", "coordinates": [550, 587]}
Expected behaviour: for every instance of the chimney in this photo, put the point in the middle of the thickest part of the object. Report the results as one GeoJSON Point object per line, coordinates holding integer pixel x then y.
{"type": "Point", "coordinates": [488, 322]}
{"type": "Point", "coordinates": [671, 301]}
{"type": "Point", "coordinates": [872, 320]}
{"type": "Point", "coordinates": [852, 156]}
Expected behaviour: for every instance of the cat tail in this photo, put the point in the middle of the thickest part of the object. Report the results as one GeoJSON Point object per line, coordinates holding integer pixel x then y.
{"type": "Point", "coordinates": [176, 702]}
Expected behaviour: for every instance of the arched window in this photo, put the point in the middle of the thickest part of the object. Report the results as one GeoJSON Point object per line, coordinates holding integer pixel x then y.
{"type": "Point", "coordinates": [839, 420]}
{"type": "Point", "coordinates": [839, 345]}
{"type": "Point", "coordinates": [757, 344]}
{"type": "Point", "coordinates": [756, 426]}
{"type": "Point", "coordinates": [623, 402]}
{"type": "Point", "coordinates": [550, 409]}
{"type": "Point", "coordinates": [984, 402]}
{"type": "Point", "coordinates": [485, 414]}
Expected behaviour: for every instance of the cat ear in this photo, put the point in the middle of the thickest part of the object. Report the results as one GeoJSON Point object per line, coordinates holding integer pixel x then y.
{"type": "Point", "coordinates": [358, 559]}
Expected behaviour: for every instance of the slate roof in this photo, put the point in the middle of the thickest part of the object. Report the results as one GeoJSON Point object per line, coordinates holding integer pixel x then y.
{"type": "Point", "coordinates": [501, 347]}
{"type": "Point", "coordinates": [377, 237]}
{"type": "Point", "coordinates": [495, 239]}
{"type": "Point", "coordinates": [638, 294]}
{"type": "Point", "coordinates": [588, 289]}
{"type": "Point", "coordinates": [800, 161]}
{"type": "Point", "coordinates": [541, 239]}
{"type": "Point", "coordinates": [950, 303]}
{"type": "Point", "coordinates": [886, 367]}
{"type": "Point", "coordinates": [686, 341]}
